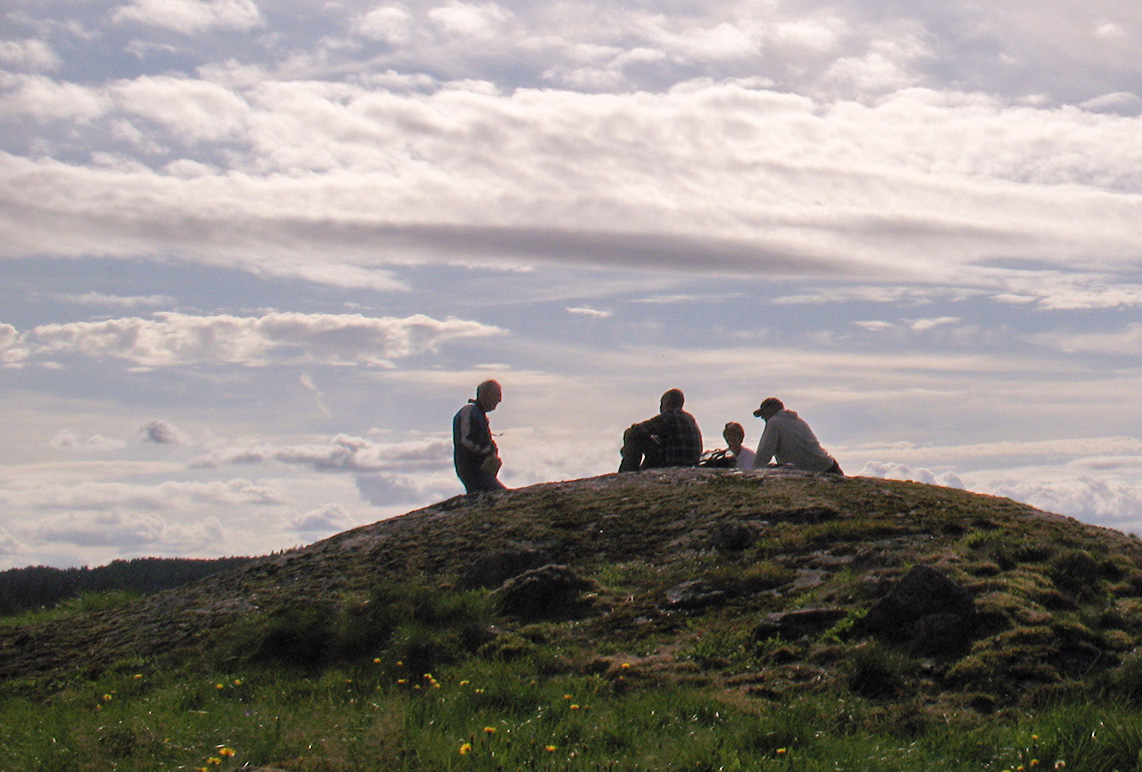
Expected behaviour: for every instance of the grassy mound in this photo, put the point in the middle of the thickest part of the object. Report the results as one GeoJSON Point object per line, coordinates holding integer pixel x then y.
{"type": "Point", "coordinates": [715, 621]}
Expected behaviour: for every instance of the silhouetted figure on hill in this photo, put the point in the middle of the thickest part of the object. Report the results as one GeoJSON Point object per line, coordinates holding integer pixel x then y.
{"type": "Point", "coordinates": [789, 440]}
{"type": "Point", "coordinates": [671, 438]}
{"type": "Point", "coordinates": [474, 451]}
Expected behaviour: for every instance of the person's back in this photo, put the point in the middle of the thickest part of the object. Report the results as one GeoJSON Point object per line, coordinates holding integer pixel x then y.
{"type": "Point", "coordinates": [789, 440]}
{"type": "Point", "coordinates": [671, 438]}
{"type": "Point", "coordinates": [679, 438]}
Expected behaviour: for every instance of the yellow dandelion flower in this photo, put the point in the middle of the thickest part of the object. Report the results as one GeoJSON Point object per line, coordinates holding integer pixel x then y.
{"type": "Point", "coordinates": [782, 751]}
{"type": "Point", "coordinates": [625, 665]}
{"type": "Point", "coordinates": [214, 761]}
{"type": "Point", "coordinates": [480, 691]}
{"type": "Point", "coordinates": [237, 681]}
{"type": "Point", "coordinates": [465, 749]}
{"type": "Point", "coordinates": [465, 683]}
{"type": "Point", "coordinates": [219, 687]}
{"type": "Point", "coordinates": [226, 752]}
{"type": "Point", "coordinates": [574, 706]}
{"type": "Point", "coordinates": [138, 676]}
{"type": "Point", "coordinates": [549, 748]}
{"type": "Point", "coordinates": [567, 696]}
{"type": "Point", "coordinates": [376, 660]}
{"type": "Point", "coordinates": [107, 698]}
{"type": "Point", "coordinates": [489, 730]}
{"type": "Point", "coordinates": [402, 680]}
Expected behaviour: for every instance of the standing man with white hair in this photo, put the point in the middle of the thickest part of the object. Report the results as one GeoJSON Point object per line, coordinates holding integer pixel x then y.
{"type": "Point", "coordinates": [789, 439]}
{"type": "Point", "coordinates": [474, 451]}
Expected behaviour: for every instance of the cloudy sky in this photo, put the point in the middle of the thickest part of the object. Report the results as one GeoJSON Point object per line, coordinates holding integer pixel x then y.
{"type": "Point", "coordinates": [254, 255]}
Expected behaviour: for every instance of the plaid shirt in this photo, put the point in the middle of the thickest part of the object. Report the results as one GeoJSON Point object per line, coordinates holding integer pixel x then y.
{"type": "Point", "coordinates": [679, 439]}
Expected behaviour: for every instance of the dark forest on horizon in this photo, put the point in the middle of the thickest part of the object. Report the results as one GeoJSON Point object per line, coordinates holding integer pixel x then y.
{"type": "Point", "coordinates": [22, 589]}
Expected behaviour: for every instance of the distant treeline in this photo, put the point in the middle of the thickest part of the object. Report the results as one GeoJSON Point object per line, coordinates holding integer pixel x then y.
{"type": "Point", "coordinates": [22, 589]}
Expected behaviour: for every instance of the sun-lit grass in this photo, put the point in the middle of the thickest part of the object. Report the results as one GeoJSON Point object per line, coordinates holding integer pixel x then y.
{"type": "Point", "coordinates": [482, 715]}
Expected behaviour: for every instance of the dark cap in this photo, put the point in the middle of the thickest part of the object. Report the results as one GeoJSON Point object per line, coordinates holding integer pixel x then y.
{"type": "Point", "coordinates": [767, 404]}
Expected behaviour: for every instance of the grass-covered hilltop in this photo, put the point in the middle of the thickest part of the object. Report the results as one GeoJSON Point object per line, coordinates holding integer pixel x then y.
{"type": "Point", "coordinates": [679, 620]}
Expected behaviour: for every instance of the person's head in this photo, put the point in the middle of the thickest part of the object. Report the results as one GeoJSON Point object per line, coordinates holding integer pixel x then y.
{"type": "Point", "coordinates": [769, 408]}
{"type": "Point", "coordinates": [734, 434]}
{"type": "Point", "coordinates": [671, 400]}
{"type": "Point", "coordinates": [488, 395]}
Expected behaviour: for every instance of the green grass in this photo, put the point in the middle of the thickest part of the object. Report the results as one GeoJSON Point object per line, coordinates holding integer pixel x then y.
{"type": "Point", "coordinates": [90, 601]}
{"type": "Point", "coordinates": [481, 715]}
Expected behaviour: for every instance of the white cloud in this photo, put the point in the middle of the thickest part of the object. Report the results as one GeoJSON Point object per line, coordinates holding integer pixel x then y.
{"type": "Point", "coordinates": [593, 313]}
{"type": "Point", "coordinates": [388, 488]}
{"type": "Point", "coordinates": [1126, 341]}
{"type": "Point", "coordinates": [330, 519]}
{"type": "Point", "coordinates": [313, 181]}
{"type": "Point", "coordinates": [47, 100]}
{"type": "Point", "coordinates": [192, 16]}
{"type": "Point", "coordinates": [893, 471]}
{"type": "Point", "coordinates": [923, 325]}
{"type": "Point", "coordinates": [9, 336]}
{"type": "Point", "coordinates": [873, 325]}
{"type": "Point", "coordinates": [116, 301]}
{"type": "Point", "coordinates": [66, 439]}
{"type": "Point", "coordinates": [306, 381]}
{"type": "Point", "coordinates": [1106, 28]}
{"type": "Point", "coordinates": [343, 453]}
{"type": "Point", "coordinates": [1111, 503]}
{"type": "Point", "coordinates": [30, 55]}
{"type": "Point", "coordinates": [1055, 291]}
{"type": "Point", "coordinates": [131, 531]}
{"type": "Point", "coordinates": [119, 496]}
{"type": "Point", "coordinates": [390, 24]}
{"type": "Point", "coordinates": [190, 109]}
{"type": "Point", "coordinates": [472, 23]}
{"type": "Point", "coordinates": [10, 545]}
{"type": "Point", "coordinates": [172, 339]}
{"type": "Point", "coordinates": [1121, 102]}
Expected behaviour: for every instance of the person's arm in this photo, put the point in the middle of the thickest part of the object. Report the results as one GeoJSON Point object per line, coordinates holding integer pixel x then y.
{"type": "Point", "coordinates": [651, 427]}
{"type": "Point", "coordinates": [768, 445]}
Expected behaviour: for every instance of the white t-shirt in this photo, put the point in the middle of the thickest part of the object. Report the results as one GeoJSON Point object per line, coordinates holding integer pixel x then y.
{"type": "Point", "coordinates": [745, 458]}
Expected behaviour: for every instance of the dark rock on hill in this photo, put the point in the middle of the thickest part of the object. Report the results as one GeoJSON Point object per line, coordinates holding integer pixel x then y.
{"type": "Point", "coordinates": [764, 582]}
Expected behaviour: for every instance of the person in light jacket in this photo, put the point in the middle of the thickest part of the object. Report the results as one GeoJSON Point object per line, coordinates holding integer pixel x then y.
{"type": "Point", "coordinates": [789, 440]}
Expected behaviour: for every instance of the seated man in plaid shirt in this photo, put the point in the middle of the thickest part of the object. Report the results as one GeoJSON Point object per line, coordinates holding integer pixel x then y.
{"type": "Point", "coordinates": [671, 438]}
